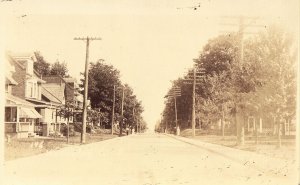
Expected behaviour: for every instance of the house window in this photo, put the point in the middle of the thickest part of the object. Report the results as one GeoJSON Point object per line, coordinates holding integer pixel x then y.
{"type": "Point", "coordinates": [10, 114]}
{"type": "Point", "coordinates": [32, 90]}
{"type": "Point", "coordinates": [39, 92]}
{"type": "Point", "coordinates": [35, 90]}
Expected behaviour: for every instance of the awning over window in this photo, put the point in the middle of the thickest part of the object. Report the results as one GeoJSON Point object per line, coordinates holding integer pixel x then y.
{"type": "Point", "coordinates": [29, 113]}
{"type": "Point", "coordinates": [36, 113]}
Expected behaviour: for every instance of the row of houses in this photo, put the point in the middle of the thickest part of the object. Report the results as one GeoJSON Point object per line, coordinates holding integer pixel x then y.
{"type": "Point", "coordinates": [32, 101]}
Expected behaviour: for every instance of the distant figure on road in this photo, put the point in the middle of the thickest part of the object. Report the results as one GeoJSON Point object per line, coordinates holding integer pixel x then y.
{"type": "Point", "coordinates": [127, 130]}
{"type": "Point", "coordinates": [133, 131]}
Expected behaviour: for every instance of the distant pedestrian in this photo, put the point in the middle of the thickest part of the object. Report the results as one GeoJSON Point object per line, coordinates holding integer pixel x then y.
{"type": "Point", "coordinates": [127, 130]}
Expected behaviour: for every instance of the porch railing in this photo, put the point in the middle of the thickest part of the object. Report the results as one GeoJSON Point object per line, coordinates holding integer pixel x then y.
{"type": "Point", "coordinates": [12, 127]}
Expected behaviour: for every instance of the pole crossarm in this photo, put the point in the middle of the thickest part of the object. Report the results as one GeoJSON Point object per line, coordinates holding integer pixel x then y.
{"type": "Point", "coordinates": [191, 83]}
{"type": "Point", "coordinates": [87, 38]}
{"type": "Point", "coordinates": [243, 23]}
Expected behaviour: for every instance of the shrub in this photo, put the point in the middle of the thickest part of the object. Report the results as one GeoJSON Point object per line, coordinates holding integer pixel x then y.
{"type": "Point", "coordinates": [64, 130]}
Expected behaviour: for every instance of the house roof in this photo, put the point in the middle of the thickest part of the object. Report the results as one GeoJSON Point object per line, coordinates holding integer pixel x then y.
{"type": "Point", "coordinates": [50, 96]}
{"type": "Point", "coordinates": [22, 55]}
{"type": "Point", "coordinates": [18, 58]}
{"type": "Point", "coordinates": [57, 79]}
{"type": "Point", "coordinates": [56, 90]}
{"type": "Point", "coordinates": [9, 80]}
{"type": "Point", "coordinates": [9, 70]}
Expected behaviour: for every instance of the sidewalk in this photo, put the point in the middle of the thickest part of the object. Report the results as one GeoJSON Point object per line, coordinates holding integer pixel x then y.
{"type": "Point", "coordinates": [263, 163]}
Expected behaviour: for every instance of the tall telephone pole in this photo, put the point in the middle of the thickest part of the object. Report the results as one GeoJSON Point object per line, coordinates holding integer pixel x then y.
{"type": "Point", "coordinates": [113, 111]}
{"type": "Point", "coordinates": [243, 22]}
{"type": "Point", "coordinates": [122, 111]}
{"type": "Point", "coordinates": [84, 114]}
{"type": "Point", "coordinates": [193, 78]}
{"type": "Point", "coordinates": [133, 116]}
{"type": "Point", "coordinates": [174, 92]}
{"type": "Point", "coordinates": [194, 102]}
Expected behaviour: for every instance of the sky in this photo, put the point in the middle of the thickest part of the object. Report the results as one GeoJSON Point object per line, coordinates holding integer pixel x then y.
{"type": "Point", "coordinates": [150, 42]}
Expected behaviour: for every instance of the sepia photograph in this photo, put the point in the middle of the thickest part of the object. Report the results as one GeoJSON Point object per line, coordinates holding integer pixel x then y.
{"type": "Point", "coordinates": [149, 92]}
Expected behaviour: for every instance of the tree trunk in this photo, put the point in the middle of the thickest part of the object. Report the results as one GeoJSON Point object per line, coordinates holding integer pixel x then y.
{"type": "Point", "coordinates": [68, 130]}
{"type": "Point", "coordinates": [256, 132]}
{"type": "Point", "coordinates": [236, 125]}
{"type": "Point", "coordinates": [260, 125]}
{"type": "Point", "coordinates": [273, 125]}
{"type": "Point", "coordinates": [248, 126]}
{"type": "Point", "coordinates": [240, 129]}
{"type": "Point", "coordinates": [278, 135]}
{"type": "Point", "coordinates": [223, 124]}
{"type": "Point", "coordinates": [288, 127]}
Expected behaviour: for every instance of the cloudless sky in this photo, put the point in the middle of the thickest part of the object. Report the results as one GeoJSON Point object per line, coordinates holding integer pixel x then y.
{"type": "Point", "coordinates": [151, 42]}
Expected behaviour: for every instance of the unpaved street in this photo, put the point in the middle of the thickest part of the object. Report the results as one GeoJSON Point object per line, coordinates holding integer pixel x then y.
{"type": "Point", "coordinates": [149, 159]}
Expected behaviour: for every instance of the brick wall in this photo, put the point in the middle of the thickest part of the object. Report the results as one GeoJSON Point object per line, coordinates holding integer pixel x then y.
{"type": "Point", "coordinates": [20, 77]}
{"type": "Point", "coordinates": [70, 91]}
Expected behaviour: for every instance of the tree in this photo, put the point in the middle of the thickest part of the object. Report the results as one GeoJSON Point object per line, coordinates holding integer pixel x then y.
{"type": "Point", "coordinates": [41, 65]}
{"type": "Point", "coordinates": [102, 79]}
{"type": "Point", "coordinates": [59, 69]}
{"type": "Point", "coordinates": [216, 93]}
{"type": "Point", "coordinates": [66, 111]}
{"type": "Point", "coordinates": [273, 51]}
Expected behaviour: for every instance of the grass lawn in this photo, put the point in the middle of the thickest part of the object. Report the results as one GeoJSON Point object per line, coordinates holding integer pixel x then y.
{"type": "Point", "coordinates": [18, 148]}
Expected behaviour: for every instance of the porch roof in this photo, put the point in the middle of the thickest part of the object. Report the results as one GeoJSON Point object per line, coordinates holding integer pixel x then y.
{"type": "Point", "coordinates": [29, 113]}
{"type": "Point", "coordinates": [13, 100]}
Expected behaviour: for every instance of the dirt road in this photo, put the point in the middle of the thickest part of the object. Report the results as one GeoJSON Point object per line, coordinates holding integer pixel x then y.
{"type": "Point", "coordinates": [149, 159]}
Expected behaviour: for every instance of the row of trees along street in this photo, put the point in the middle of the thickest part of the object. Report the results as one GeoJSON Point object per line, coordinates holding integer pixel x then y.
{"type": "Point", "coordinates": [253, 92]}
{"type": "Point", "coordinates": [104, 86]}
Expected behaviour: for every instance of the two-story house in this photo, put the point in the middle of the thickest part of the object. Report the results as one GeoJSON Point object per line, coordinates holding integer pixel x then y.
{"type": "Point", "coordinates": [73, 95]}
{"type": "Point", "coordinates": [33, 101]}
{"type": "Point", "coordinates": [21, 83]}
{"type": "Point", "coordinates": [54, 91]}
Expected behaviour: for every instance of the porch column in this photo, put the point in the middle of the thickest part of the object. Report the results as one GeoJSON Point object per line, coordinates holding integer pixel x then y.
{"type": "Point", "coordinates": [18, 119]}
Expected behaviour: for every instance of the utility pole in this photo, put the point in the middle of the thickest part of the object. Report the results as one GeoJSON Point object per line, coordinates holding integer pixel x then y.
{"type": "Point", "coordinates": [194, 78]}
{"type": "Point", "coordinates": [174, 92]}
{"type": "Point", "coordinates": [133, 116]}
{"type": "Point", "coordinates": [113, 111]}
{"type": "Point", "coordinates": [138, 129]}
{"type": "Point", "coordinates": [194, 102]}
{"type": "Point", "coordinates": [84, 114]}
{"type": "Point", "coordinates": [243, 23]}
{"type": "Point", "coordinates": [175, 109]}
{"type": "Point", "coordinates": [122, 111]}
